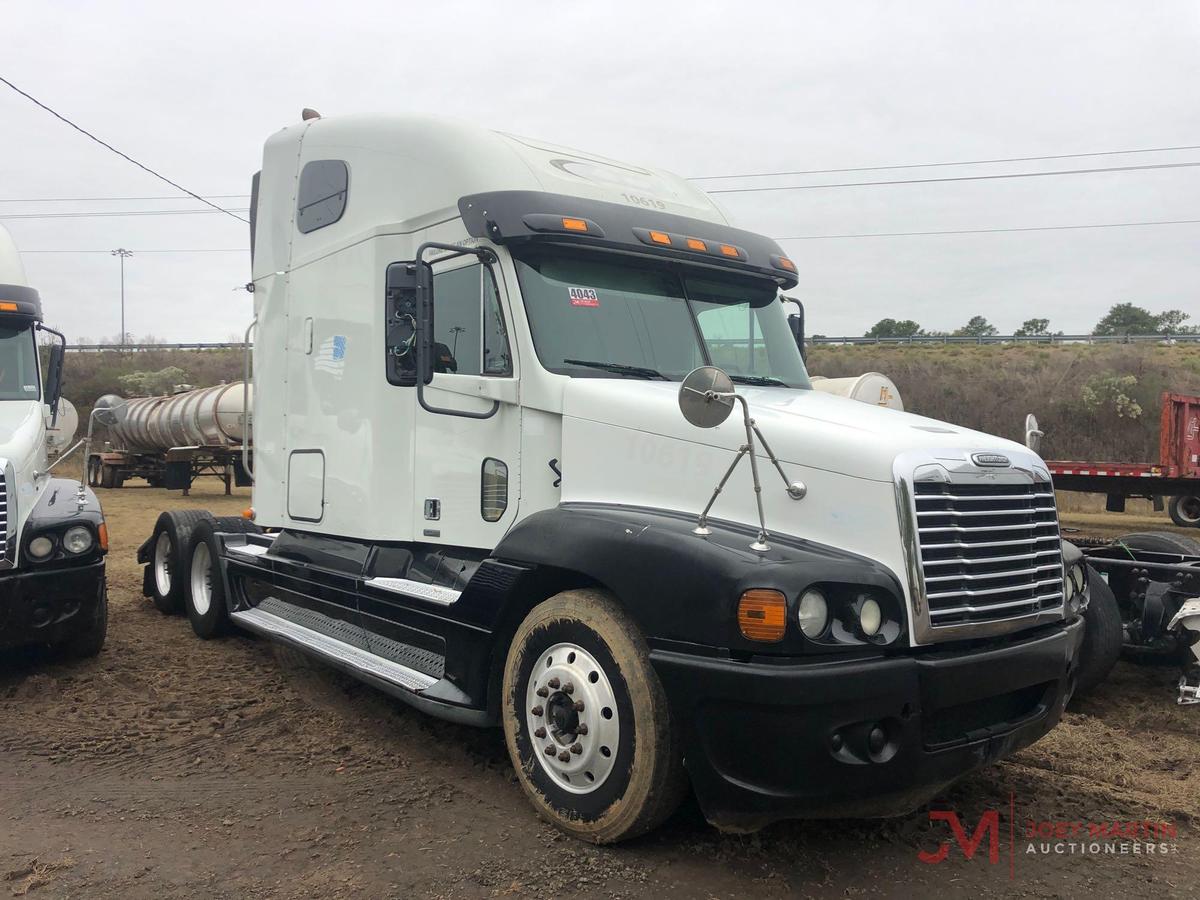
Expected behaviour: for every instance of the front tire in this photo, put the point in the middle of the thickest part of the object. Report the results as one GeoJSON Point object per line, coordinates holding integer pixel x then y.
{"type": "Point", "coordinates": [586, 720]}
{"type": "Point", "coordinates": [89, 641]}
{"type": "Point", "coordinates": [1102, 635]}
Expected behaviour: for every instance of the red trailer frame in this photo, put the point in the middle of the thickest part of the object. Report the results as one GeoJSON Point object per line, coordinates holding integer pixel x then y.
{"type": "Point", "coordinates": [1176, 474]}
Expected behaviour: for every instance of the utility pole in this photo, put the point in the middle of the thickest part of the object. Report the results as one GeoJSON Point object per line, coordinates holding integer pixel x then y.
{"type": "Point", "coordinates": [122, 252]}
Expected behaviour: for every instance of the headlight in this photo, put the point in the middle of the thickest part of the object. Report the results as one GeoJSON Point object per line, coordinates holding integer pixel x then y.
{"type": "Point", "coordinates": [813, 613]}
{"type": "Point", "coordinates": [78, 539]}
{"type": "Point", "coordinates": [870, 617]}
{"type": "Point", "coordinates": [41, 547]}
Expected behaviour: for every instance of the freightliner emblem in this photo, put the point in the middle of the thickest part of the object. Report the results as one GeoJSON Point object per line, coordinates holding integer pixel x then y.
{"type": "Point", "coordinates": [990, 459]}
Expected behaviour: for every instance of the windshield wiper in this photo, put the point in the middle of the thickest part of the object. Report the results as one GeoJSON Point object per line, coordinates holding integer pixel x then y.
{"type": "Point", "coordinates": [758, 379]}
{"type": "Point", "coordinates": [619, 368]}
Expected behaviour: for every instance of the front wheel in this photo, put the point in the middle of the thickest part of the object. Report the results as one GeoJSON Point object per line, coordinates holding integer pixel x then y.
{"type": "Point", "coordinates": [205, 600]}
{"type": "Point", "coordinates": [586, 720]}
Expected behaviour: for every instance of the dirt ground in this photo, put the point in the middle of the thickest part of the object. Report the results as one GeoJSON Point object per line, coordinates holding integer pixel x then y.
{"type": "Point", "coordinates": [170, 767]}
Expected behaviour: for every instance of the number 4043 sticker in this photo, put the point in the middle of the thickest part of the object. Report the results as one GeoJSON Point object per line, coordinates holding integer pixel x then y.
{"type": "Point", "coordinates": [583, 296]}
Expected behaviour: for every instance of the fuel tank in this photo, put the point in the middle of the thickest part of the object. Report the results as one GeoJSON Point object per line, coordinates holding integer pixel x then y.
{"type": "Point", "coordinates": [206, 417]}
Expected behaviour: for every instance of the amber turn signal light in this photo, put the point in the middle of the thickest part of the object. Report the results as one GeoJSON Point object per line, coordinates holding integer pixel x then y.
{"type": "Point", "coordinates": [248, 513]}
{"type": "Point", "coordinates": [102, 533]}
{"type": "Point", "coordinates": [762, 615]}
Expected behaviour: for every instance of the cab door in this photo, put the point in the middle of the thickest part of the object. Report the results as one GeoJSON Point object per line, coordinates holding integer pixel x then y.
{"type": "Point", "coordinates": [466, 474]}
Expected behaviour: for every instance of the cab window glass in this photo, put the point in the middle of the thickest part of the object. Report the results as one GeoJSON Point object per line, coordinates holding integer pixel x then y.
{"type": "Point", "coordinates": [18, 364]}
{"type": "Point", "coordinates": [468, 325]}
{"type": "Point", "coordinates": [321, 199]}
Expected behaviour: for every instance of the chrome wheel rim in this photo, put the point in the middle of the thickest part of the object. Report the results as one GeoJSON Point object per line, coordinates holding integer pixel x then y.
{"type": "Point", "coordinates": [571, 712]}
{"type": "Point", "coordinates": [201, 580]}
{"type": "Point", "coordinates": [162, 567]}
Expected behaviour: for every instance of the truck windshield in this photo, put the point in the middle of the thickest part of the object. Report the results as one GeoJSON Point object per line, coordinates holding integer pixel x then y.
{"type": "Point", "coordinates": [18, 364]}
{"type": "Point", "coordinates": [602, 316]}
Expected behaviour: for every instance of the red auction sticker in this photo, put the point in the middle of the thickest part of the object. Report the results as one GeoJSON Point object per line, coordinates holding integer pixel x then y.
{"type": "Point", "coordinates": [583, 296]}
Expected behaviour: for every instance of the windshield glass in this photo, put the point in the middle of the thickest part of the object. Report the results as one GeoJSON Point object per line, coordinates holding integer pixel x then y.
{"type": "Point", "coordinates": [18, 364]}
{"type": "Point", "coordinates": [600, 316]}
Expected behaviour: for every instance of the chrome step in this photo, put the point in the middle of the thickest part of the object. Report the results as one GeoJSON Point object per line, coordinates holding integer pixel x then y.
{"type": "Point", "coordinates": [277, 628]}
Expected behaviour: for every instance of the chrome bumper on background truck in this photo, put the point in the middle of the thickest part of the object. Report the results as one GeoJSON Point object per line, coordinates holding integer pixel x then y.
{"type": "Point", "coordinates": [769, 740]}
{"type": "Point", "coordinates": [49, 605]}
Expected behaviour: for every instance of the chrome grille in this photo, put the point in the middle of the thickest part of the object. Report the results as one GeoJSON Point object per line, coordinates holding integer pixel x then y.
{"type": "Point", "coordinates": [3, 514]}
{"type": "Point", "coordinates": [989, 551]}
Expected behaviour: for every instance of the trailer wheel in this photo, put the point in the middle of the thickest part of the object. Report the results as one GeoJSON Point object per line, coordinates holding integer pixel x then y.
{"type": "Point", "coordinates": [93, 471]}
{"type": "Point", "coordinates": [1102, 635]}
{"type": "Point", "coordinates": [205, 601]}
{"type": "Point", "coordinates": [586, 720]}
{"type": "Point", "coordinates": [169, 561]}
{"type": "Point", "coordinates": [108, 475]}
{"type": "Point", "coordinates": [90, 641]}
{"type": "Point", "coordinates": [1185, 510]}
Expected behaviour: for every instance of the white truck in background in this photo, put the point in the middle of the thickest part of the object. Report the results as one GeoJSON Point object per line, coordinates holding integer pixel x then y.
{"type": "Point", "coordinates": [53, 539]}
{"type": "Point", "coordinates": [474, 489]}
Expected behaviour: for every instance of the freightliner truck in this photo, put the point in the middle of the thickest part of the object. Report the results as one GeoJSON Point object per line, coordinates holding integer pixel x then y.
{"type": "Point", "coordinates": [474, 489]}
{"type": "Point", "coordinates": [52, 534]}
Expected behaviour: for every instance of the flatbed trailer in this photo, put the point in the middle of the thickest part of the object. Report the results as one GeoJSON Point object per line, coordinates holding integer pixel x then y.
{"type": "Point", "coordinates": [1176, 475]}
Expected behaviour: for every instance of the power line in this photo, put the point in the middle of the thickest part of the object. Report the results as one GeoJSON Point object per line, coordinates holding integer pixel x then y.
{"type": "Point", "coordinates": [179, 250]}
{"type": "Point", "coordinates": [113, 199]}
{"type": "Point", "coordinates": [122, 213]}
{"type": "Point", "coordinates": [812, 187]}
{"type": "Point", "coordinates": [126, 156]}
{"type": "Point", "coordinates": [878, 234]}
{"type": "Point", "coordinates": [964, 162]}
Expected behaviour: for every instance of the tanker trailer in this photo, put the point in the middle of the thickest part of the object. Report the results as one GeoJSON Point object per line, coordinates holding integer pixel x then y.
{"type": "Point", "coordinates": [172, 440]}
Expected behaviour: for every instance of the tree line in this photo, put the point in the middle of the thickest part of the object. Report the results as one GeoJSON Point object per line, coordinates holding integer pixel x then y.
{"type": "Point", "coordinates": [1121, 319]}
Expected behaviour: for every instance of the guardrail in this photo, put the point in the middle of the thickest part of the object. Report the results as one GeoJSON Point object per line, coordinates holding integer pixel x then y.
{"type": "Point", "coordinates": [136, 348]}
{"type": "Point", "coordinates": [1012, 339]}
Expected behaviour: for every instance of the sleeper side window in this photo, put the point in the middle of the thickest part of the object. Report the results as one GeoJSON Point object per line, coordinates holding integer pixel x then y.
{"type": "Point", "coordinates": [321, 199]}
{"type": "Point", "coordinates": [469, 335]}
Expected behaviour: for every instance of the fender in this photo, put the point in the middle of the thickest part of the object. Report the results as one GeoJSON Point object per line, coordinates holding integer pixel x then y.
{"type": "Point", "coordinates": [692, 597]}
{"type": "Point", "coordinates": [57, 509]}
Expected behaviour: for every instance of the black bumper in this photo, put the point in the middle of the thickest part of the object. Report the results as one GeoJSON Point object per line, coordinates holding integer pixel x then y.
{"type": "Point", "coordinates": [767, 741]}
{"type": "Point", "coordinates": [48, 605]}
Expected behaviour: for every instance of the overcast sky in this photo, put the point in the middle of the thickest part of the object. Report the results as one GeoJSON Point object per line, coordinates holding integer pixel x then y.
{"type": "Point", "coordinates": [702, 89]}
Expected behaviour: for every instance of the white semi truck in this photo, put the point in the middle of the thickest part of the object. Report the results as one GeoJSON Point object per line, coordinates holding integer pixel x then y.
{"type": "Point", "coordinates": [475, 490]}
{"type": "Point", "coordinates": [52, 533]}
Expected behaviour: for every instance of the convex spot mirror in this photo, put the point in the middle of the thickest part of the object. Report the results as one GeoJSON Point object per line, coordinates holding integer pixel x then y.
{"type": "Point", "coordinates": [706, 397]}
{"type": "Point", "coordinates": [110, 410]}
{"type": "Point", "coordinates": [1033, 434]}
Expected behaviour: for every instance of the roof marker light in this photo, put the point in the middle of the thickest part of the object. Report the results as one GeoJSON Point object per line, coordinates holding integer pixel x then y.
{"type": "Point", "coordinates": [574, 224]}
{"type": "Point", "coordinates": [729, 250]}
{"type": "Point", "coordinates": [6, 306]}
{"type": "Point", "coordinates": [694, 244]}
{"type": "Point", "coordinates": [660, 237]}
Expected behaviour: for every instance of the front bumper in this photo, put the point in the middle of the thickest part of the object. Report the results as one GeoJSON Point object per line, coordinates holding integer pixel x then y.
{"type": "Point", "coordinates": [48, 605]}
{"type": "Point", "coordinates": [766, 741]}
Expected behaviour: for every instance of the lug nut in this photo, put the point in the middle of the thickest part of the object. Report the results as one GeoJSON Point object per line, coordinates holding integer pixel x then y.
{"type": "Point", "coordinates": [577, 748]}
{"type": "Point", "coordinates": [537, 710]}
{"type": "Point", "coordinates": [578, 706]}
{"type": "Point", "coordinates": [564, 756]}
{"type": "Point", "coordinates": [582, 728]}
{"type": "Point", "coordinates": [540, 733]}
{"type": "Point", "coordinates": [553, 682]}
{"type": "Point", "coordinates": [549, 749]}
{"type": "Point", "coordinates": [542, 692]}
{"type": "Point", "coordinates": [568, 688]}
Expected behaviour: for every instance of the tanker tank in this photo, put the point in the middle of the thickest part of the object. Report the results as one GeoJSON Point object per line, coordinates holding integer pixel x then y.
{"type": "Point", "coordinates": [206, 417]}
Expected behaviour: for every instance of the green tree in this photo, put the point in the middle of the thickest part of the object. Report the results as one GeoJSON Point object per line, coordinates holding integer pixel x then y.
{"type": "Point", "coordinates": [1033, 328]}
{"type": "Point", "coordinates": [150, 384]}
{"type": "Point", "coordinates": [890, 328]}
{"type": "Point", "coordinates": [1171, 322]}
{"type": "Point", "coordinates": [1126, 318]}
{"type": "Point", "coordinates": [978, 326]}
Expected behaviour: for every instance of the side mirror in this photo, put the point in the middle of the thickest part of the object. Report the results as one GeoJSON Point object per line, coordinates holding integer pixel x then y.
{"type": "Point", "coordinates": [795, 320]}
{"type": "Point", "coordinates": [1033, 434]}
{"type": "Point", "coordinates": [425, 349]}
{"type": "Point", "coordinates": [53, 386]}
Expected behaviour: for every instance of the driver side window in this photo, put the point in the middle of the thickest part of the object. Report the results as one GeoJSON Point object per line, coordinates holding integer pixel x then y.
{"type": "Point", "coordinates": [469, 334]}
